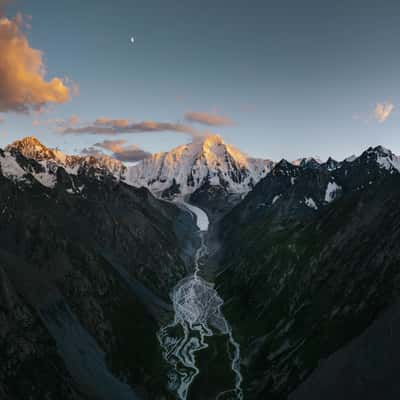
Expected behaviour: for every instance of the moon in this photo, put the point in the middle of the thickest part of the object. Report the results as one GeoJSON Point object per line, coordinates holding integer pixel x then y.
{"type": "Point", "coordinates": [132, 39]}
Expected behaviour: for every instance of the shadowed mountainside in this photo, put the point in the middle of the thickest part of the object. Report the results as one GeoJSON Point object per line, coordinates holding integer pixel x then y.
{"type": "Point", "coordinates": [310, 261]}
{"type": "Point", "coordinates": [85, 271]}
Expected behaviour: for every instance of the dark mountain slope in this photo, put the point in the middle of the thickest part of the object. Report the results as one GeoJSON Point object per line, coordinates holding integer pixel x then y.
{"type": "Point", "coordinates": [86, 267]}
{"type": "Point", "coordinates": [366, 368]}
{"type": "Point", "coordinates": [301, 278]}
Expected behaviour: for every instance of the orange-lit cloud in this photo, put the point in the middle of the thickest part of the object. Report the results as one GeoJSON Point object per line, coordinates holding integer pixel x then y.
{"type": "Point", "coordinates": [382, 111]}
{"type": "Point", "coordinates": [92, 151]}
{"type": "Point", "coordinates": [73, 120]}
{"type": "Point", "coordinates": [112, 145]}
{"type": "Point", "coordinates": [120, 151]}
{"type": "Point", "coordinates": [22, 72]}
{"type": "Point", "coordinates": [119, 123]}
{"type": "Point", "coordinates": [131, 153]}
{"type": "Point", "coordinates": [207, 118]}
{"type": "Point", "coordinates": [59, 122]}
{"type": "Point", "coordinates": [105, 126]}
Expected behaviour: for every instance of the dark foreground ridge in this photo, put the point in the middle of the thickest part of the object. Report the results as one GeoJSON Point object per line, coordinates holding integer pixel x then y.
{"type": "Point", "coordinates": [85, 271]}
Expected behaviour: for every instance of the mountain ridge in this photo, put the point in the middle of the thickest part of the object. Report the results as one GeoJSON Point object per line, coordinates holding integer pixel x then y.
{"type": "Point", "coordinates": [181, 171]}
{"type": "Point", "coordinates": [49, 159]}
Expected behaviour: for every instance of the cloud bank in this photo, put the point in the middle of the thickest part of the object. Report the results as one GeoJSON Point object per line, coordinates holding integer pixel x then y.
{"type": "Point", "coordinates": [120, 151]}
{"type": "Point", "coordinates": [106, 126]}
{"type": "Point", "coordinates": [207, 119]}
{"type": "Point", "coordinates": [22, 72]}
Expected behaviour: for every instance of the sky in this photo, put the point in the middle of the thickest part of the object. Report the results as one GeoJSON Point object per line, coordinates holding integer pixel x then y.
{"type": "Point", "coordinates": [277, 79]}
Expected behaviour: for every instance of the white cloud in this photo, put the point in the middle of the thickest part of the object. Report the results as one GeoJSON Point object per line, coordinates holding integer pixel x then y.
{"type": "Point", "coordinates": [382, 111]}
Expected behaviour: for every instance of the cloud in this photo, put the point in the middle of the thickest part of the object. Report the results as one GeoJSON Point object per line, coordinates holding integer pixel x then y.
{"type": "Point", "coordinates": [105, 126]}
{"type": "Point", "coordinates": [91, 151]}
{"type": "Point", "coordinates": [58, 123]}
{"type": "Point", "coordinates": [207, 119]}
{"type": "Point", "coordinates": [119, 123]}
{"type": "Point", "coordinates": [2, 120]}
{"type": "Point", "coordinates": [73, 120]}
{"type": "Point", "coordinates": [48, 122]}
{"type": "Point", "coordinates": [131, 153]}
{"type": "Point", "coordinates": [382, 111]}
{"type": "Point", "coordinates": [22, 72]}
{"type": "Point", "coordinates": [120, 151]}
{"type": "Point", "coordinates": [111, 145]}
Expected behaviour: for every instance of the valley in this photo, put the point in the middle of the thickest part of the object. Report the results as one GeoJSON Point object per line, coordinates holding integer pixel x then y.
{"type": "Point", "coordinates": [212, 278]}
{"type": "Point", "coordinates": [198, 317]}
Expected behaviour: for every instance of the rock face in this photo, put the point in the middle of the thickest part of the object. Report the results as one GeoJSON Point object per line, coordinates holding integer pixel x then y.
{"type": "Point", "coordinates": [187, 168]}
{"type": "Point", "coordinates": [86, 265]}
{"type": "Point", "coordinates": [312, 252]}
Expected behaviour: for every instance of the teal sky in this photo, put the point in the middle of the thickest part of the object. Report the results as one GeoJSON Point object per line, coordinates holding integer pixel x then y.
{"type": "Point", "coordinates": [297, 78]}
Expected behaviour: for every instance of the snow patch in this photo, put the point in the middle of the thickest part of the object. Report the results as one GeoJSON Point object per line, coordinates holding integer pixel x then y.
{"type": "Point", "coordinates": [331, 190]}
{"type": "Point", "coordinates": [309, 202]}
{"type": "Point", "coordinates": [351, 158]}
{"type": "Point", "coordinates": [46, 179]}
{"type": "Point", "coordinates": [389, 162]}
{"type": "Point", "coordinates": [10, 167]}
{"type": "Point", "coordinates": [276, 198]}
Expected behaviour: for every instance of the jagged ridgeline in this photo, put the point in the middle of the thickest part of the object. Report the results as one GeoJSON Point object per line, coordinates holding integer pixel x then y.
{"type": "Point", "coordinates": [302, 268]}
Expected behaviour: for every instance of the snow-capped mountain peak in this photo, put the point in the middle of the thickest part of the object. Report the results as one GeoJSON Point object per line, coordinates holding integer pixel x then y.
{"type": "Point", "coordinates": [385, 158]}
{"type": "Point", "coordinates": [31, 147]}
{"type": "Point", "coordinates": [186, 168]}
{"type": "Point", "coordinates": [49, 160]}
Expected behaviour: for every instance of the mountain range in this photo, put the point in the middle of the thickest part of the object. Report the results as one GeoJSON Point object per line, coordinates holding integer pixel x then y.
{"type": "Point", "coordinates": [304, 254]}
{"type": "Point", "coordinates": [208, 172]}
